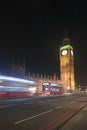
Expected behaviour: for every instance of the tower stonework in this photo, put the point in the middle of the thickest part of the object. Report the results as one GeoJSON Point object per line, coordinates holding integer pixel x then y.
{"type": "Point", "coordinates": [67, 65]}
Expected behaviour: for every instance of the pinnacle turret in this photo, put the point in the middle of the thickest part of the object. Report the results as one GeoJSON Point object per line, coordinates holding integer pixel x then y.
{"type": "Point", "coordinates": [66, 40]}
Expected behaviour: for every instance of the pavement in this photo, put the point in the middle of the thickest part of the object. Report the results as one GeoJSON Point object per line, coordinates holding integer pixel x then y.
{"type": "Point", "coordinates": [77, 122]}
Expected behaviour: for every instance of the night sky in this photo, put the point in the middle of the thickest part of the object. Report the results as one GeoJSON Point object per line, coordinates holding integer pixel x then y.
{"type": "Point", "coordinates": [33, 30]}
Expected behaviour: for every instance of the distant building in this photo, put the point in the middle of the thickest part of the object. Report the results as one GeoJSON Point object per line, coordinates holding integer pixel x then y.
{"type": "Point", "coordinates": [18, 68]}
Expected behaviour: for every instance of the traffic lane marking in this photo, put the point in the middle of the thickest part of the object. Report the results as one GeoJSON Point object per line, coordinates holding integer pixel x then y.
{"type": "Point", "coordinates": [29, 118]}
{"type": "Point", "coordinates": [6, 106]}
{"type": "Point", "coordinates": [28, 103]}
{"type": "Point", "coordinates": [60, 119]}
{"type": "Point", "coordinates": [59, 107]}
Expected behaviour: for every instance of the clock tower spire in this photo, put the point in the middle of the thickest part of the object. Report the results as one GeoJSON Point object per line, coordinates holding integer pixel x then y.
{"type": "Point", "coordinates": [67, 64]}
{"type": "Point", "coordinates": [66, 39]}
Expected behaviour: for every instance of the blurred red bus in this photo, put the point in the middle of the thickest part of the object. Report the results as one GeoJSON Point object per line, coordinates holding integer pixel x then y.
{"type": "Point", "coordinates": [17, 87]}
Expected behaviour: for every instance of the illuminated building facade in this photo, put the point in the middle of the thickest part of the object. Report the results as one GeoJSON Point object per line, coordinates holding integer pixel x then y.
{"type": "Point", "coordinates": [66, 69]}
{"type": "Point", "coordinates": [67, 65]}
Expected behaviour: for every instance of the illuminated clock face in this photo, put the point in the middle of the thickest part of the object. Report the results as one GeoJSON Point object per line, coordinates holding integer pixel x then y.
{"type": "Point", "coordinates": [64, 52]}
{"type": "Point", "coordinates": [72, 52]}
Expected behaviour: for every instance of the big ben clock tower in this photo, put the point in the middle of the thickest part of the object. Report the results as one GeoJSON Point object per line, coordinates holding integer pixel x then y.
{"type": "Point", "coordinates": [67, 65]}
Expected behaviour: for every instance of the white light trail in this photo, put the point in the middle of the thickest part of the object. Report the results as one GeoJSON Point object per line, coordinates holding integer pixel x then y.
{"type": "Point", "coordinates": [16, 79]}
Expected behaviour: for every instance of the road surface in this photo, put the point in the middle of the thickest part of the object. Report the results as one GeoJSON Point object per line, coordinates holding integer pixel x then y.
{"type": "Point", "coordinates": [65, 112]}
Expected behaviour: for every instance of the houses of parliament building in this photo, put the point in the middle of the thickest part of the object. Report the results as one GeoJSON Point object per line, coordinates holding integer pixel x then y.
{"type": "Point", "coordinates": [66, 56]}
